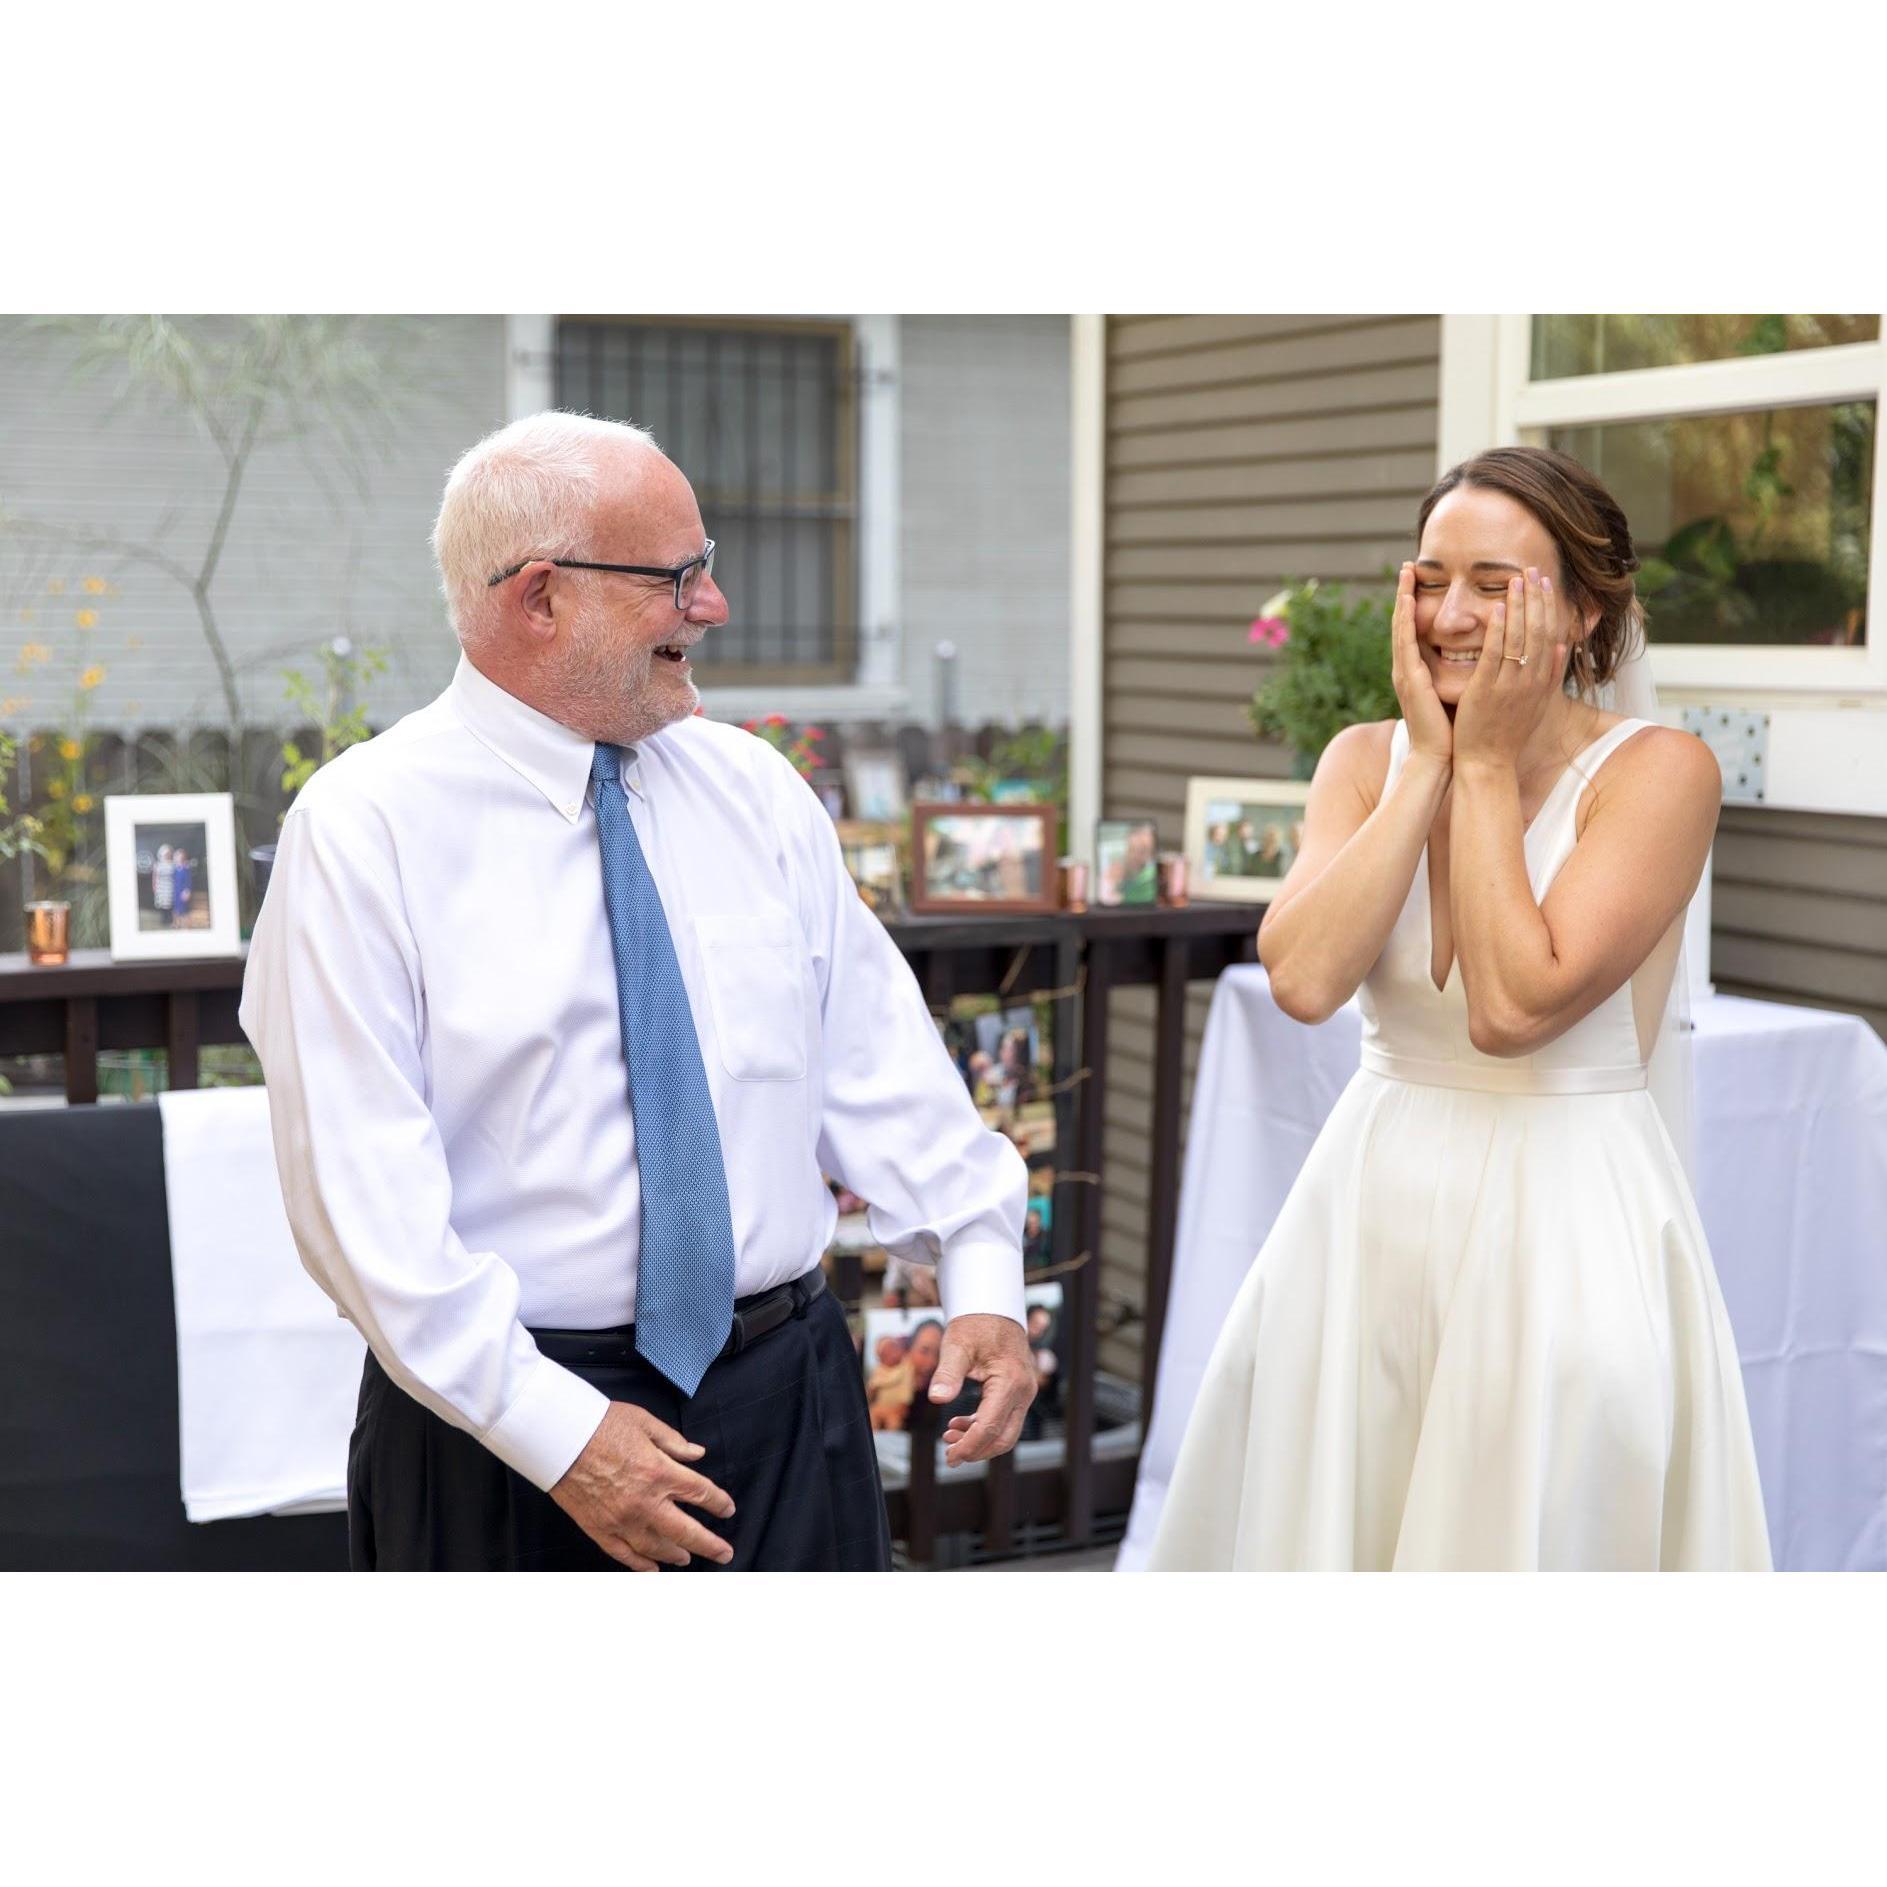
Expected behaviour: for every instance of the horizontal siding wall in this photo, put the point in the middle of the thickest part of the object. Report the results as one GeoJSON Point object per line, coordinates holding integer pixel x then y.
{"type": "Point", "coordinates": [1243, 451]}
{"type": "Point", "coordinates": [1798, 910]}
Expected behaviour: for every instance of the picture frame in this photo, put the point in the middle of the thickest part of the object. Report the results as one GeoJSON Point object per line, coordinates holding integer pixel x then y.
{"type": "Point", "coordinates": [828, 785]}
{"type": "Point", "coordinates": [877, 788]}
{"type": "Point", "coordinates": [1126, 864]}
{"type": "Point", "coordinates": [1242, 836]}
{"type": "Point", "coordinates": [1016, 792]}
{"type": "Point", "coordinates": [874, 856]}
{"type": "Point", "coordinates": [989, 861]}
{"type": "Point", "coordinates": [170, 875]}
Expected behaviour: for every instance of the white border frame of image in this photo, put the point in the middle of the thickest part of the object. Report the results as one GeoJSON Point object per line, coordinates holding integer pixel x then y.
{"type": "Point", "coordinates": [124, 813]}
{"type": "Point", "coordinates": [1201, 788]}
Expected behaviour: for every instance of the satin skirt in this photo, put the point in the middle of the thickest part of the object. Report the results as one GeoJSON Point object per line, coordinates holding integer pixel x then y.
{"type": "Point", "coordinates": [1484, 1333]}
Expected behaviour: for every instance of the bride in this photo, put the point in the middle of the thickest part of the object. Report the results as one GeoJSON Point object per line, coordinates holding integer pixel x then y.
{"type": "Point", "coordinates": [1485, 1330]}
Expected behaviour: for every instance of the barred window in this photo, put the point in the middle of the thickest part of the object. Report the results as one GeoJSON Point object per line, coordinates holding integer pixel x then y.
{"type": "Point", "coordinates": [762, 417]}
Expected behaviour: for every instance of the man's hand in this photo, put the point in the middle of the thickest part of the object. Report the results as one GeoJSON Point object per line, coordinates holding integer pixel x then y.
{"type": "Point", "coordinates": [626, 1489]}
{"type": "Point", "coordinates": [992, 1351]}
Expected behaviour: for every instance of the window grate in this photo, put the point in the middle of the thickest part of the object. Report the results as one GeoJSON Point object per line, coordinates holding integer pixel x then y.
{"type": "Point", "coordinates": [762, 416]}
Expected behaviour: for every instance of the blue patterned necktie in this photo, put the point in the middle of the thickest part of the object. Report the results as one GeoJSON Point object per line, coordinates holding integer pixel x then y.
{"type": "Point", "coordinates": [685, 1277]}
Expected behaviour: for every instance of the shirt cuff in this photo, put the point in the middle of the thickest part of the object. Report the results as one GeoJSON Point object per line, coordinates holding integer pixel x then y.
{"type": "Point", "coordinates": [981, 1279]}
{"type": "Point", "coordinates": [548, 1424]}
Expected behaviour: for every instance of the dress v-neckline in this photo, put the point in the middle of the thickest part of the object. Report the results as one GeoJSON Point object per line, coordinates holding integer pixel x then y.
{"type": "Point", "coordinates": [1526, 832]}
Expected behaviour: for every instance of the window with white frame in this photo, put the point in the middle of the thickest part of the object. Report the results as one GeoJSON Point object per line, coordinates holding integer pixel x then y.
{"type": "Point", "coordinates": [1745, 451]}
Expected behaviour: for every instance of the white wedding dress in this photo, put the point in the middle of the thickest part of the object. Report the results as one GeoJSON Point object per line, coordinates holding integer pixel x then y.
{"type": "Point", "coordinates": [1484, 1331]}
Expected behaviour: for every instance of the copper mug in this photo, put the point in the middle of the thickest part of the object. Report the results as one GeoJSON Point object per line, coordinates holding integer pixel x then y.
{"type": "Point", "coordinates": [48, 928]}
{"type": "Point", "coordinates": [1074, 884]}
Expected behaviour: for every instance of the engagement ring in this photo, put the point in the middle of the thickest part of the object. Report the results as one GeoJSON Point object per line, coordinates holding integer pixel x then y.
{"type": "Point", "coordinates": [1521, 659]}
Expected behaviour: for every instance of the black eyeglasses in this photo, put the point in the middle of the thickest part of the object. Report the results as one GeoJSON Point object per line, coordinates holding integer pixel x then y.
{"type": "Point", "coordinates": [686, 577]}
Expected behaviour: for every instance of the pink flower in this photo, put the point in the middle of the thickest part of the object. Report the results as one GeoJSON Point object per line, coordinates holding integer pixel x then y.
{"type": "Point", "coordinates": [1271, 632]}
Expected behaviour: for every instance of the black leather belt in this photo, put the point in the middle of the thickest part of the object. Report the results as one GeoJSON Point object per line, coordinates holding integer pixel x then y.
{"type": "Point", "coordinates": [764, 1312]}
{"type": "Point", "coordinates": [754, 1317]}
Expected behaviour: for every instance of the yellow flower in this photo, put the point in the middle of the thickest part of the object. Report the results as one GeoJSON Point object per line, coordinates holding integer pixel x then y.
{"type": "Point", "coordinates": [94, 586]}
{"type": "Point", "coordinates": [69, 750]}
{"type": "Point", "coordinates": [29, 614]}
{"type": "Point", "coordinates": [32, 654]}
{"type": "Point", "coordinates": [57, 587]}
{"type": "Point", "coordinates": [55, 789]}
{"type": "Point", "coordinates": [92, 677]}
{"type": "Point", "coordinates": [16, 704]}
{"type": "Point", "coordinates": [82, 802]}
{"type": "Point", "coordinates": [85, 618]}
{"type": "Point", "coordinates": [134, 642]}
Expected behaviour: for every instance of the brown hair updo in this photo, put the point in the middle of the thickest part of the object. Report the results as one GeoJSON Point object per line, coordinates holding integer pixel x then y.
{"type": "Point", "coordinates": [1582, 518]}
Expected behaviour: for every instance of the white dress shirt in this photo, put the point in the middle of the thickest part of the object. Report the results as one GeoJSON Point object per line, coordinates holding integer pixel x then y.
{"type": "Point", "coordinates": [432, 993]}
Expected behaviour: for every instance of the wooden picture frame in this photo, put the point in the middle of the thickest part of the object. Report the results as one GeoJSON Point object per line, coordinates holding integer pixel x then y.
{"type": "Point", "coordinates": [1242, 836]}
{"type": "Point", "coordinates": [984, 861]}
{"type": "Point", "coordinates": [874, 856]}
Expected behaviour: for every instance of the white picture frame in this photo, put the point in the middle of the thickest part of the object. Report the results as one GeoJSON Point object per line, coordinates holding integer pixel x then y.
{"type": "Point", "coordinates": [1259, 804]}
{"type": "Point", "coordinates": [194, 834]}
{"type": "Point", "coordinates": [877, 788]}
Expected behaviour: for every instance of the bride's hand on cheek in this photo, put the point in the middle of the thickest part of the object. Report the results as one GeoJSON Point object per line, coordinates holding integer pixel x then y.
{"type": "Point", "coordinates": [1429, 729]}
{"type": "Point", "coordinates": [1522, 667]}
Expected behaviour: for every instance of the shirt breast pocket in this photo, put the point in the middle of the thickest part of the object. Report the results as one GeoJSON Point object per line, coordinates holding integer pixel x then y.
{"type": "Point", "coordinates": [752, 963]}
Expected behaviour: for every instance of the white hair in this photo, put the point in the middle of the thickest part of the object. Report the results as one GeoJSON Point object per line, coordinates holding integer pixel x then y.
{"type": "Point", "coordinates": [524, 491]}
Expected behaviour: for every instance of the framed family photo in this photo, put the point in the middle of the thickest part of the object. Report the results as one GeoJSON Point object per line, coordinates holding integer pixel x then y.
{"type": "Point", "coordinates": [876, 788]}
{"type": "Point", "coordinates": [170, 870]}
{"type": "Point", "coordinates": [1242, 836]}
{"type": "Point", "coordinates": [874, 857]}
{"type": "Point", "coordinates": [1126, 862]}
{"type": "Point", "coordinates": [990, 860]}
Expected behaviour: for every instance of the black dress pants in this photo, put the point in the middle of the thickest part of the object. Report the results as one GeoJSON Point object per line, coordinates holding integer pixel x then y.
{"type": "Point", "coordinates": [784, 1423]}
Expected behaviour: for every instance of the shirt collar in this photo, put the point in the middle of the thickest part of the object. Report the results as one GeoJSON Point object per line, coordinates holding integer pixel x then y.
{"type": "Point", "coordinates": [554, 759]}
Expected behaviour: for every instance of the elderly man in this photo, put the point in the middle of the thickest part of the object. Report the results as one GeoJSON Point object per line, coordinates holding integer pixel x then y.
{"type": "Point", "coordinates": [560, 1154]}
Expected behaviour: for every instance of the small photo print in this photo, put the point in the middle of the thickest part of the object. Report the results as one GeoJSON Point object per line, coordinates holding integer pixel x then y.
{"type": "Point", "coordinates": [173, 876]}
{"type": "Point", "coordinates": [1005, 1063]}
{"type": "Point", "coordinates": [902, 1350]}
{"type": "Point", "coordinates": [875, 784]}
{"type": "Point", "coordinates": [904, 1347]}
{"type": "Point", "coordinates": [984, 856]}
{"type": "Point", "coordinates": [1250, 839]}
{"type": "Point", "coordinates": [1126, 862]}
{"type": "Point", "coordinates": [875, 860]}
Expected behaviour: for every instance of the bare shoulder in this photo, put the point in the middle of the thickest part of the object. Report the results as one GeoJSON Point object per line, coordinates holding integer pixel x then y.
{"type": "Point", "coordinates": [1661, 774]}
{"type": "Point", "coordinates": [1358, 759]}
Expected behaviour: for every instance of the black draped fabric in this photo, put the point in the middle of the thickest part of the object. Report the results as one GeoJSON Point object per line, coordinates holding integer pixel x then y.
{"type": "Point", "coordinates": [89, 1466]}
{"type": "Point", "coordinates": [785, 1427]}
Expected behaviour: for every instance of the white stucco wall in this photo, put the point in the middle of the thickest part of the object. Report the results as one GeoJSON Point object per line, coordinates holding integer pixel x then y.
{"type": "Point", "coordinates": [986, 483]}
{"type": "Point", "coordinates": [981, 496]}
{"type": "Point", "coordinates": [307, 558]}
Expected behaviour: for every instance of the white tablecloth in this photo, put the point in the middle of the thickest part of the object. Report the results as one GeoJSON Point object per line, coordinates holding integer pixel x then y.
{"type": "Point", "coordinates": [267, 1373]}
{"type": "Point", "coordinates": [1791, 1125]}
